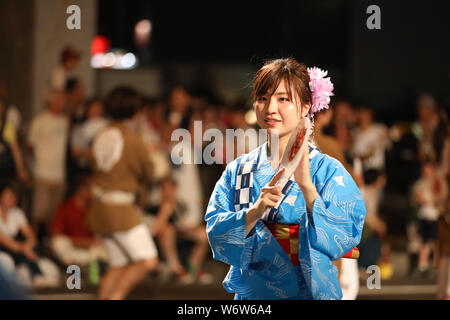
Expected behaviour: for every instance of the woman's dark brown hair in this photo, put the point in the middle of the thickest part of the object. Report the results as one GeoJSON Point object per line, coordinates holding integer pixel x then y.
{"type": "Point", "coordinates": [11, 185]}
{"type": "Point", "coordinates": [122, 103]}
{"type": "Point", "coordinates": [273, 72]}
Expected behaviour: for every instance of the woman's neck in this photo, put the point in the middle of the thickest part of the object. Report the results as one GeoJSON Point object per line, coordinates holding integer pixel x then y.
{"type": "Point", "coordinates": [282, 143]}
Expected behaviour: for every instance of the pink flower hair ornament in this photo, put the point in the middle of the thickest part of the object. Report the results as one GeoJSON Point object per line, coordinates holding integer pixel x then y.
{"type": "Point", "coordinates": [321, 90]}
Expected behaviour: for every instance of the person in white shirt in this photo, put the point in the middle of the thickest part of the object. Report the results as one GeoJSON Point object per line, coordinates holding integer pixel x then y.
{"type": "Point", "coordinates": [370, 141]}
{"type": "Point", "coordinates": [48, 142]}
{"type": "Point", "coordinates": [84, 133]}
{"type": "Point", "coordinates": [18, 241]}
{"type": "Point", "coordinates": [430, 193]}
{"type": "Point", "coordinates": [69, 60]}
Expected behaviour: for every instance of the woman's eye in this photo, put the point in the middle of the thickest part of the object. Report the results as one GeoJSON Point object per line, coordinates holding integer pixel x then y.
{"type": "Point", "coordinates": [262, 99]}
{"type": "Point", "coordinates": [283, 99]}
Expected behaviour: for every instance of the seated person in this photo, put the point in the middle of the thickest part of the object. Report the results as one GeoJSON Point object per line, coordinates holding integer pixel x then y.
{"type": "Point", "coordinates": [17, 239]}
{"type": "Point", "coordinates": [71, 241]}
{"type": "Point", "coordinates": [166, 224]}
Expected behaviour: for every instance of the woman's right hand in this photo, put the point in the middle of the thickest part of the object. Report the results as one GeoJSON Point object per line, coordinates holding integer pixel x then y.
{"type": "Point", "coordinates": [268, 198]}
{"type": "Point", "coordinates": [270, 195]}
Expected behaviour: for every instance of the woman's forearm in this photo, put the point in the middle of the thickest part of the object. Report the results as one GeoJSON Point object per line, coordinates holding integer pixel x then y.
{"type": "Point", "coordinates": [30, 238]}
{"type": "Point", "coordinates": [310, 194]}
{"type": "Point", "coordinates": [166, 211]}
{"type": "Point", "coordinates": [250, 219]}
{"type": "Point", "coordinates": [10, 243]}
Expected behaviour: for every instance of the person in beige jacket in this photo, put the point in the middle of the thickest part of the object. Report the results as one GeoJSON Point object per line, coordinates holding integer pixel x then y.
{"type": "Point", "coordinates": [121, 163]}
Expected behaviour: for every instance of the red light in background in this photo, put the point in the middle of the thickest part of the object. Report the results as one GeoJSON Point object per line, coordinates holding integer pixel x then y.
{"type": "Point", "coordinates": [100, 44]}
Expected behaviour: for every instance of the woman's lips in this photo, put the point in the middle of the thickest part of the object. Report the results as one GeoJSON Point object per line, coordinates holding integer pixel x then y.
{"type": "Point", "coordinates": [272, 122]}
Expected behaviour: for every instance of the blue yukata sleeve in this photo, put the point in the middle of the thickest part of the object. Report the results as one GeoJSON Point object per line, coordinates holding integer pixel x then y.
{"type": "Point", "coordinates": [337, 218]}
{"type": "Point", "coordinates": [226, 227]}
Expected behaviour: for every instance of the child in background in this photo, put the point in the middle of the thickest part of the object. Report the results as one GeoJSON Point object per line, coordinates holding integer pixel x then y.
{"type": "Point", "coordinates": [429, 192]}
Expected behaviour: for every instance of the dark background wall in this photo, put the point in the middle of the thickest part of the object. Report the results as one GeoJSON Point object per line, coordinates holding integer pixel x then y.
{"type": "Point", "coordinates": [231, 31]}
{"type": "Point", "coordinates": [387, 68]}
{"type": "Point", "coordinates": [16, 50]}
{"type": "Point", "coordinates": [409, 55]}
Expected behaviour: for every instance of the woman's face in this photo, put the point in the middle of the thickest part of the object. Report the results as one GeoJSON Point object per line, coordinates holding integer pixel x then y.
{"type": "Point", "coordinates": [428, 170]}
{"type": "Point", "coordinates": [168, 188]}
{"type": "Point", "coordinates": [278, 112]}
{"type": "Point", "coordinates": [95, 110]}
{"type": "Point", "coordinates": [8, 198]}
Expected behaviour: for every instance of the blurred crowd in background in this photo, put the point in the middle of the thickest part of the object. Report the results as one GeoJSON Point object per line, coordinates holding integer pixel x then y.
{"type": "Point", "coordinates": [46, 188]}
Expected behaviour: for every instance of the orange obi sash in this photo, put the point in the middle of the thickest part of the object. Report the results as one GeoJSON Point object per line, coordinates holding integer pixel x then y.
{"type": "Point", "coordinates": [287, 237]}
{"type": "Point", "coordinates": [353, 254]}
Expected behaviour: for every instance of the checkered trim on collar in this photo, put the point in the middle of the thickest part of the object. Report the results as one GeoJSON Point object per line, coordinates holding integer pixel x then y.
{"type": "Point", "coordinates": [244, 181]}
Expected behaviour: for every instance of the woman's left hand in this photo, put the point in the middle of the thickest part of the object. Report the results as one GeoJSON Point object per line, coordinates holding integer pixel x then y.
{"type": "Point", "coordinates": [303, 178]}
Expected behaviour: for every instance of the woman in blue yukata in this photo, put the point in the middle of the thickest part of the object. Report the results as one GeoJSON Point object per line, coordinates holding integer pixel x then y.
{"type": "Point", "coordinates": [287, 254]}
